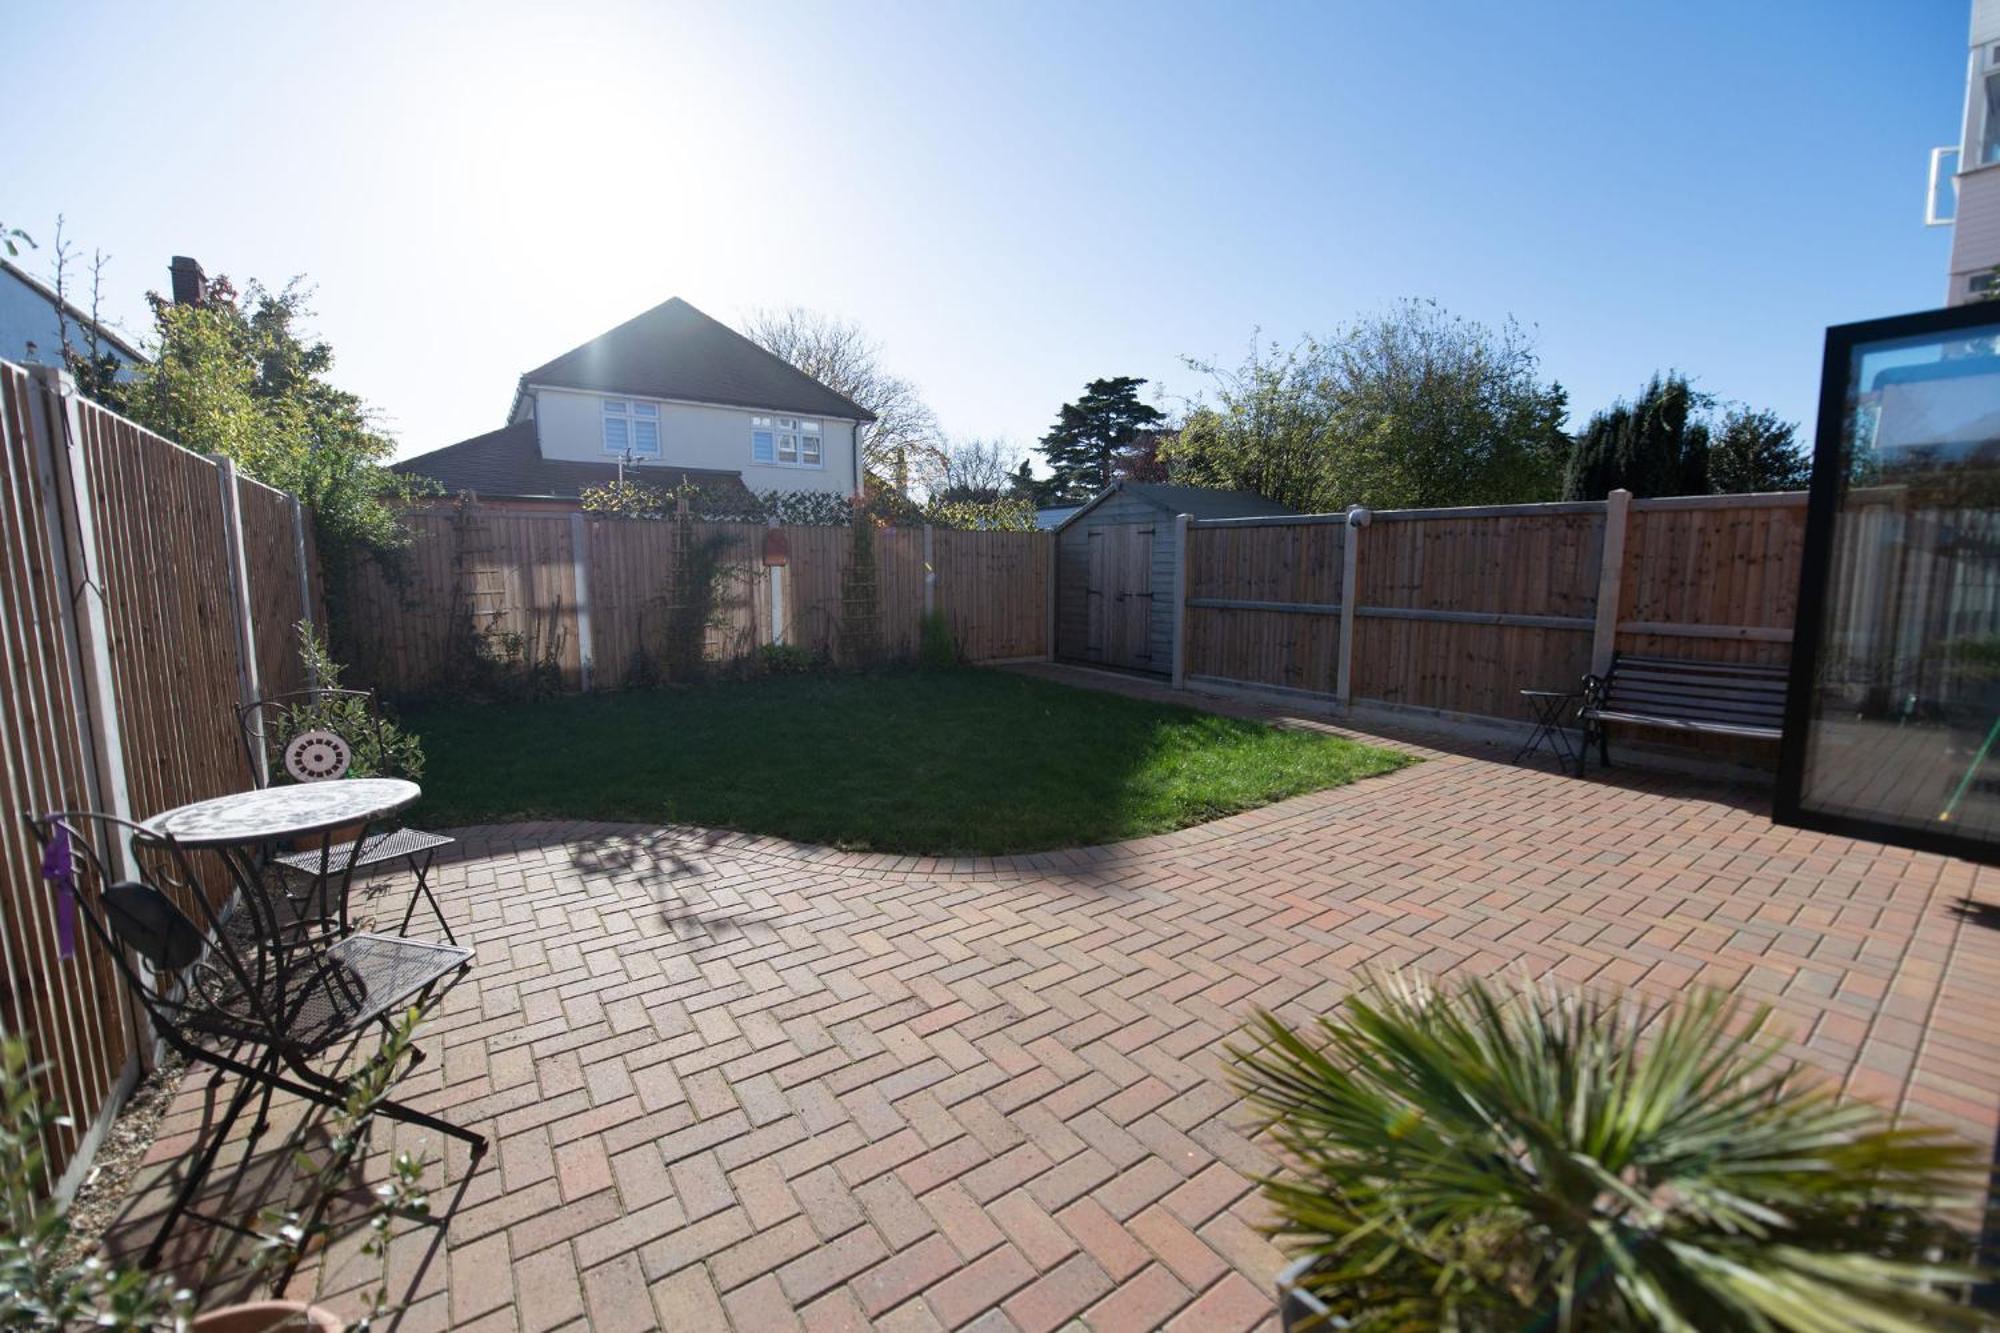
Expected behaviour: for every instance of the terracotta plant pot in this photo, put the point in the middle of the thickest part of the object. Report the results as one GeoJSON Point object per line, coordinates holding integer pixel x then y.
{"type": "Point", "coordinates": [270, 1317]}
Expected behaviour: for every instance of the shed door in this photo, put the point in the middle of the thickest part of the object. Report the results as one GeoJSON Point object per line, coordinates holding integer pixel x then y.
{"type": "Point", "coordinates": [1121, 595]}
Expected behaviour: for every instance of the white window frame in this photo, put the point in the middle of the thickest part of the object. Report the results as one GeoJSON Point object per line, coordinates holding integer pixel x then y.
{"type": "Point", "coordinates": [794, 442]}
{"type": "Point", "coordinates": [630, 413]}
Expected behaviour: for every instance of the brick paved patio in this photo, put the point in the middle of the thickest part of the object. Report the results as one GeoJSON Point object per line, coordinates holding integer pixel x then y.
{"type": "Point", "coordinates": [741, 1083]}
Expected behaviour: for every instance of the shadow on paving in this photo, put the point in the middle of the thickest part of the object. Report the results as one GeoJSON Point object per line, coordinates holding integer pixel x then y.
{"type": "Point", "coordinates": [214, 1249]}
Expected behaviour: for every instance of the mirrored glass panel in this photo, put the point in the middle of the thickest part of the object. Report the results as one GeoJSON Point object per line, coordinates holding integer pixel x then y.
{"type": "Point", "coordinates": [1895, 719]}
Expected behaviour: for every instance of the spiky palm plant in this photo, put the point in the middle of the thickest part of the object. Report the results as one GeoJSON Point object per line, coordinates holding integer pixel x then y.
{"type": "Point", "coordinates": [1503, 1157]}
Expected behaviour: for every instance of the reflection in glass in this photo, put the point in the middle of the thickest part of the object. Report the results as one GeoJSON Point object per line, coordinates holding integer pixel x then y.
{"type": "Point", "coordinates": [1905, 717]}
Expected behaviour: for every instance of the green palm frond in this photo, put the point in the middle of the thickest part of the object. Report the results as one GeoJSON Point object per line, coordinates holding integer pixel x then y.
{"type": "Point", "coordinates": [1505, 1156]}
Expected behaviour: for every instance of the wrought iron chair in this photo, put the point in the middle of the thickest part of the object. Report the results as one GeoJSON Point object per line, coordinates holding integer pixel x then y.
{"type": "Point", "coordinates": [234, 993]}
{"type": "Point", "coordinates": [312, 736]}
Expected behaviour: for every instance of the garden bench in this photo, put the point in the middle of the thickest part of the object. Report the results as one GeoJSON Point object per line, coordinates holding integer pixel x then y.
{"type": "Point", "coordinates": [1676, 694]}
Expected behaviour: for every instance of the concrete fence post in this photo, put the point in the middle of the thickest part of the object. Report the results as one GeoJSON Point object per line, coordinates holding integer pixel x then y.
{"type": "Point", "coordinates": [62, 476]}
{"type": "Point", "coordinates": [930, 570]}
{"type": "Point", "coordinates": [1350, 571]}
{"type": "Point", "coordinates": [1049, 594]}
{"type": "Point", "coordinates": [579, 563]}
{"type": "Point", "coordinates": [1181, 526]}
{"type": "Point", "coordinates": [299, 554]}
{"type": "Point", "coordinates": [249, 685]}
{"type": "Point", "coordinates": [72, 527]}
{"type": "Point", "coordinates": [1610, 580]}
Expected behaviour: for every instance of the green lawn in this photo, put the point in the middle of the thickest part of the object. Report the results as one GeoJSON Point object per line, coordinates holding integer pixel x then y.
{"type": "Point", "coordinates": [956, 762]}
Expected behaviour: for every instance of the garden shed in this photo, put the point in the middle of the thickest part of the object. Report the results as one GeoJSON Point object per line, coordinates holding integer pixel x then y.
{"type": "Point", "coordinates": [1115, 570]}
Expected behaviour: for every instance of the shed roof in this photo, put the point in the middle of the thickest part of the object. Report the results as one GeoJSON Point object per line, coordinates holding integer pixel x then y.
{"type": "Point", "coordinates": [1195, 501]}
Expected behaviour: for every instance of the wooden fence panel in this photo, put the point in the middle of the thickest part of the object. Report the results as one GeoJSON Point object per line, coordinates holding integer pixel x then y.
{"type": "Point", "coordinates": [993, 589]}
{"type": "Point", "coordinates": [1282, 565]}
{"type": "Point", "coordinates": [271, 554]}
{"type": "Point", "coordinates": [1528, 563]}
{"type": "Point", "coordinates": [174, 676]}
{"type": "Point", "coordinates": [516, 573]}
{"type": "Point", "coordinates": [69, 1012]}
{"type": "Point", "coordinates": [167, 597]}
{"type": "Point", "coordinates": [1724, 577]}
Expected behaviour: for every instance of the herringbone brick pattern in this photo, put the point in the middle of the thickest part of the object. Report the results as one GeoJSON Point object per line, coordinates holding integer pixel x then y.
{"type": "Point", "coordinates": [739, 1083]}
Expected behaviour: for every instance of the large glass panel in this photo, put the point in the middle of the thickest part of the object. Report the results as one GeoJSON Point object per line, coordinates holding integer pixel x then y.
{"type": "Point", "coordinates": [1903, 731]}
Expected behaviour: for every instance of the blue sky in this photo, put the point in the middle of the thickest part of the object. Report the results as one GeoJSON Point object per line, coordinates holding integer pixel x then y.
{"type": "Point", "coordinates": [1014, 198]}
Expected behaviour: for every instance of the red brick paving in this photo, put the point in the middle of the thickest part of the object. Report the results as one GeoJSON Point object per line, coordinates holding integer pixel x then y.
{"type": "Point", "coordinates": [738, 1082]}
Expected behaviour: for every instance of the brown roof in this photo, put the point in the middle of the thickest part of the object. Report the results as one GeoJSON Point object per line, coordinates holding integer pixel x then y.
{"type": "Point", "coordinates": [675, 351]}
{"type": "Point", "coordinates": [508, 463]}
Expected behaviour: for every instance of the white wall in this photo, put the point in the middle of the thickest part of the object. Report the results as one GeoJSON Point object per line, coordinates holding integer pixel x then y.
{"type": "Point", "coordinates": [571, 427]}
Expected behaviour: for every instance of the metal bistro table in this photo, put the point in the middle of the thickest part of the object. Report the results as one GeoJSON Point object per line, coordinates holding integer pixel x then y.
{"type": "Point", "coordinates": [1548, 707]}
{"type": "Point", "coordinates": [239, 826]}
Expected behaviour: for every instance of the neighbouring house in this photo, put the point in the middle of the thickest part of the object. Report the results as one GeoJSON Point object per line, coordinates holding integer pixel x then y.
{"type": "Point", "coordinates": [31, 325]}
{"type": "Point", "coordinates": [1972, 205]}
{"type": "Point", "coordinates": [667, 395]}
{"type": "Point", "coordinates": [1115, 569]}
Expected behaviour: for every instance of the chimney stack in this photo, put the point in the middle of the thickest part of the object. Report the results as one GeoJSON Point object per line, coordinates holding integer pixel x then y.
{"type": "Point", "coordinates": [190, 283]}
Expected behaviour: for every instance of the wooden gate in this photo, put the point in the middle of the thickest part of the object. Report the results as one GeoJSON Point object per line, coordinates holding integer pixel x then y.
{"type": "Point", "coordinates": [1121, 595]}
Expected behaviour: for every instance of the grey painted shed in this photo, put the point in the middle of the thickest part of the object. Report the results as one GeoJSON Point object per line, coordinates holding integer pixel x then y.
{"type": "Point", "coordinates": [1115, 570]}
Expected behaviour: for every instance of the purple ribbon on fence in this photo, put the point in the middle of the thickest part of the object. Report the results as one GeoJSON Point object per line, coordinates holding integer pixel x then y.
{"type": "Point", "coordinates": [59, 868]}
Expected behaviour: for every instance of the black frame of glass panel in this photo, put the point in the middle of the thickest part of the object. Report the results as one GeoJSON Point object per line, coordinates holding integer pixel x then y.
{"type": "Point", "coordinates": [1816, 567]}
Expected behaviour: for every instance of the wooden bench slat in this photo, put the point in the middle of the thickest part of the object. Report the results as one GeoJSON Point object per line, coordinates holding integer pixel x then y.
{"type": "Point", "coordinates": [1693, 697]}
{"type": "Point", "coordinates": [1695, 664]}
{"type": "Point", "coordinates": [1764, 683]}
{"type": "Point", "coordinates": [1683, 724]}
{"type": "Point", "coordinates": [1767, 703]}
{"type": "Point", "coordinates": [1650, 701]}
{"type": "Point", "coordinates": [1758, 689]}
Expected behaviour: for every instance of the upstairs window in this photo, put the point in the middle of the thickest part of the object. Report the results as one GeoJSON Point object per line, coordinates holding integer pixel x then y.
{"type": "Point", "coordinates": [631, 427]}
{"type": "Point", "coordinates": [785, 441]}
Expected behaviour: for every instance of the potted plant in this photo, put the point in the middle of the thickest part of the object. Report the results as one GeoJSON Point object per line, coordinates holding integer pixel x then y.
{"type": "Point", "coordinates": [1488, 1157]}
{"type": "Point", "coordinates": [378, 748]}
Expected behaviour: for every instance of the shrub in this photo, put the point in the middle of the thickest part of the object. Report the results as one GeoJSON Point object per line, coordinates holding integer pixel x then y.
{"type": "Point", "coordinates": [1489, 1158]}
{"type": "Point", "coordinates": [786, 659]}
{"type": "Point", "coordinates": [39, 1287]}
{"type": "Point", "coordinates": [860, 598]}
{"type": "Point", "coordinates": [694, 604]}
{"type": "Point", "coordinates": [936, 649]}
{"type": "Point", "coordinates": [378, 747]}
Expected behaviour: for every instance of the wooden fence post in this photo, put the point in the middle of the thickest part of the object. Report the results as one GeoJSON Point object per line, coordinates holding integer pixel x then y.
{"type": "Point", "coordinates": [249, 684]}
{"type": "Point", "coordinates": [72, 525]}
{"type": "Point", "coordinates": [1350, 566]}
{"type": "Point", "coordinates": [1181, 523]}
{"type": "Point", "coordinates": [306, 616]}
{"type": "Point", "coordinates": [1049, 597]}
{"type": "Point", "coordinates": [579, 563]}
{"type": "Point", "coordinates": [1610, 576]}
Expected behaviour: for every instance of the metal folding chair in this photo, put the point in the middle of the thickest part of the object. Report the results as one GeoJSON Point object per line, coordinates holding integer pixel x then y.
{"type": "Point", "coordinates": [311, 736]}
{"type": "Point", "coordinates": [237, 992]}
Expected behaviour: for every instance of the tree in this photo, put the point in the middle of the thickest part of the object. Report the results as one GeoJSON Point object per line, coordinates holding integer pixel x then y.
{"type": "Point", "coordinates": [92, 364]}
{"type": "Point", "coordinates": [1757, 451]}
{"type": "Point", "coordinates": [1411, 407]}
{"type": "Point", "coordinates": [1083, 447]}
{"type": "Point", "coordinates": [1657, 445]}
{"type": "Point", "coordinates": [973, 470]}
{"type": "Point", "coordinates": [903, 443]}
{"type": "Point", "coordinates": [12, 239]}
{"type": "Point", "coordinates": [239, 378]}
{"type": "Point", "coordinates": [1145, 459]}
